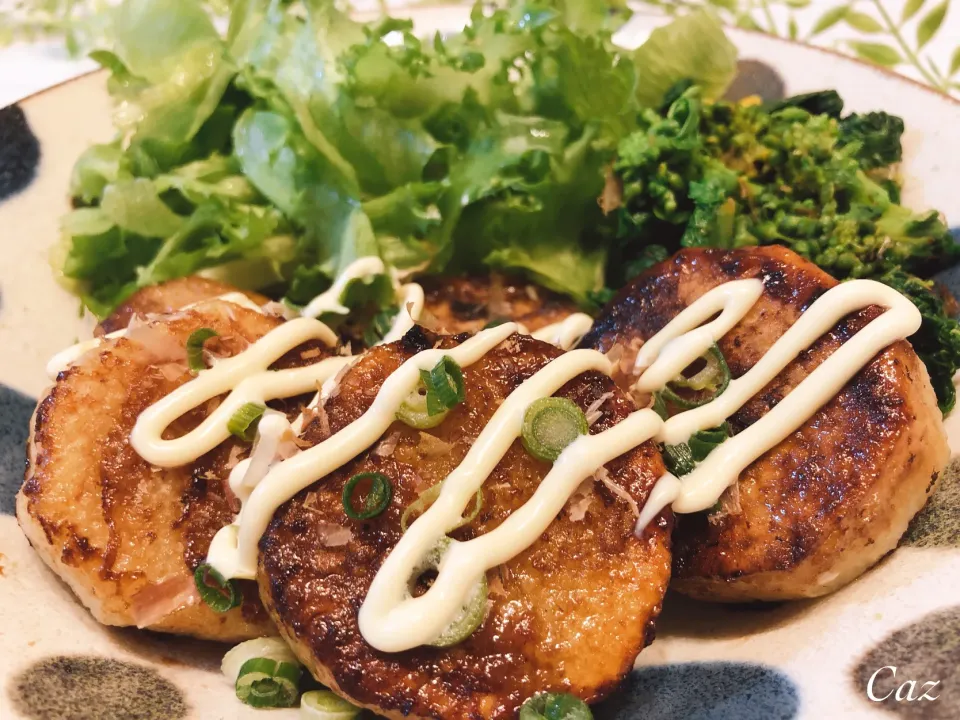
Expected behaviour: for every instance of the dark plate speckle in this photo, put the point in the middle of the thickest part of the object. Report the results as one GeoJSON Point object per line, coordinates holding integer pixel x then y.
{"type": "Point", "coordinates": [19, 152]}
{"type": "Point", "coordinates": [938, 524]}
{"type": "Point", "coordinates": [703, 691]}
{"type": "Point", "coordinates": [927, 651]}
{"type": "Point", "coordinates": [78, 687]}
{"type": "Point", "coordinates": [755, 77]}
{"type": "Point", "coordinates": [15, 411]}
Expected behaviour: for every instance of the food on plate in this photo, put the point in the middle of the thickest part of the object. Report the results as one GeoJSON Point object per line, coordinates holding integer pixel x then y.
{"type": "Point", "coordinates": [126, 535]}
{"type": "Point", "coordinates": [569, 613]}
{"type": "Point", "coordinates": [830, 500]}
{"type": "Point", "coordinates": [165, 298]}
{"type": "Point", "coordinates": [469, 304]}
{"type": "Point", "coordinates": [447, 506]}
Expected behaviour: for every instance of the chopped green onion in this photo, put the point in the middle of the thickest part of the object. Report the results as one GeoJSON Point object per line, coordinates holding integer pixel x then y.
{"type": "Point", "coordinates": [474, 608]}
{"type": "Point", "coordinates": [550, 424]}
{"type": "Point", "coordinates": [325, 705]}
{"type": "Point", "coordinates": [683, 457]}
{"type": "Point", "coordinates": [268, 683]}
{"type": "Point", "coordinates": [555, 706]}
{"type": "Point", "coordinates": [379, 326]}
{"type": "Point", "coordinates": [428, 497]}
{"type": "Point", "coordinates": [659, 406]}
{"type": "Point", "coordinates": [274, 648]}
{"type": "Point", "coordinates": [195, 347]}
{"type": "Point", "coordinates": [444, 384]}
{"type": "Point", "coordinates": [495, 322]}
{"type": "Point", "coordinates": [714, 378]}
{"type": "Point", "coordinates": [378, 497]}
{"type": "Point", "coordinates": [413, 411]}
{"type": "Point", "coordinates": [215, 590]}
{"type": "Point", "coordinates": [244, 422]}
{"type": "Point", "coordinates": [678, 459]}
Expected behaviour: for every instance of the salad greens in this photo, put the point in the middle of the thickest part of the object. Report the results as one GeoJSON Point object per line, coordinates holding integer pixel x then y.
{"type": "Point", "coordinates": [796, 174]}
{"type": "Point", "coordinates": [274, 156]}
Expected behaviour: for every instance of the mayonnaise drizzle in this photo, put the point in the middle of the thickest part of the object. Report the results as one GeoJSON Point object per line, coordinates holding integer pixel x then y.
{"type": "Point", "coordinates": [364, 268]}
{"type": "Point", "coordinates": [289, 477]}
{"type": "Point", "coordinates": [567, 333]}
{"type": "Point", "coordinates": [247, 379]}
{"type": "Point", "coordinates": [390, 619]}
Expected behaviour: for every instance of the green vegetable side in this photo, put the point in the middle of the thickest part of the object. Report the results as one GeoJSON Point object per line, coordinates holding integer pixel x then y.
{"type": "Point", "coordinates": [797, 174]}
{"type": "Point", "coordinates": [273, 156]}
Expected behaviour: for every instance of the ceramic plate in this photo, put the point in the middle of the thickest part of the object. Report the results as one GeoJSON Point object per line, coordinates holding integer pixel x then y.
{"type": "Point", "coordinates": [810, 659]}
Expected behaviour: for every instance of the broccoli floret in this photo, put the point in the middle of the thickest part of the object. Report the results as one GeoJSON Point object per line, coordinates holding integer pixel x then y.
{"type": "Point", "coordinates": [877, 138]}
{"type": "Point", "coordinates": [937, 342]}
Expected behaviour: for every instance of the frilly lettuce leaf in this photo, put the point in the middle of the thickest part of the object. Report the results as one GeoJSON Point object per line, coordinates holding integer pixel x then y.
{"type": "Point", "coordinates": [275, 155]}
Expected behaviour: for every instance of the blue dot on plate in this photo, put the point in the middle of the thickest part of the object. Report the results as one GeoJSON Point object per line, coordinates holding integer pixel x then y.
{"type": "Point", "coordinates": [15, 411]}
{"type": "Point", "coordinates": [703, 691]}
{"type": "Point", "coordinates": [19, 152]}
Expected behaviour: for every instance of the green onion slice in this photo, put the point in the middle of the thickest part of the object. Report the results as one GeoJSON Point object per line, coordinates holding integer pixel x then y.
{"type": "Point", "coordinates": [683, 457]}
{"type": "Point", "coordinates": [550, 424]}
{"type": "Point", "coordinates": [428, 497]}
{"type": "Point", "coordinates": [555, 706]}
{"type": "Point", "coordinates": [444, 384]}
{"type": "Point", "coordinates": [378, 497]}
{"type": "Point", "coordinates": [709, 383]}
{"type": "Point", "coordinates": [474, 608]}
{"type": "Point", "coordinates": [215, 590]}
{"type": "Point", "coordinates": [274, 648]}
{"type": "Point", "coordinates": [413, 411]}
{"type": "Point", "coordinates": [244, 422]}
{"type": "Point", "coordinates": [325, 705]}
{"type": "Point", "coordinates": [195, 347]}
{"type": "Point", "coordinates": [268, 683]}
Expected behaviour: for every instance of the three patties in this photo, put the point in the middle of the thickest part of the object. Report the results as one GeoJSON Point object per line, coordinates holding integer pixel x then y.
{"type": "Point", "coordinates": [568, 608]}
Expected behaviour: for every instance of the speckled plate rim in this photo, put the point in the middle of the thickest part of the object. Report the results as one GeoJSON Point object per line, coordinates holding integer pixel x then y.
{"type": "Point", "coordinates": [807, 659]}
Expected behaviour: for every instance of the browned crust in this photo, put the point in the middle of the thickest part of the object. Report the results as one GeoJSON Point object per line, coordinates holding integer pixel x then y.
{"type": "Point", "coordinates": [467, 304]}
{"type": "Point", "coordinates": [166, 298]}
{"type": "Point", "coordinates": [568, 614]}
{"type": "Point", "coordinates": [111, 525]}
{"type": "Point", "coordinates": [831, 500]}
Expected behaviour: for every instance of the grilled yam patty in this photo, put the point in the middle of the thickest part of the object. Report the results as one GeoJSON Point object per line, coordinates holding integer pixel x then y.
{"type": "Point", "coordinates": [467, 304]}
{"type": "Point", "coordinates": [168, 297]}
{"type": "Point", "coordinates": [827, 503]}
{"type": "Point", "coordinates": [126, 536]}
{"type": "Point", "coordinates": [569, 614]}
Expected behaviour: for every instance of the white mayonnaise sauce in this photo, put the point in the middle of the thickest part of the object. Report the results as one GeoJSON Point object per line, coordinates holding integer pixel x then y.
{"type": "Point", "coordinates": [390, 618]}
{"type": "Point", "coordinates": [66, 357]}
{"type": "Point", "coordinates": [365, 269]}
{"type": "Point", "coordinates": [286, 479]}
{"type": "Point", "coordinates": [567, 333]}
{"type": "Point", "coordinates": [246, 377]}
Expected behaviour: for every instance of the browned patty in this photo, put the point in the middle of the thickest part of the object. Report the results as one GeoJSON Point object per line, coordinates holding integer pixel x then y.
{"type": "Point", "coordinates": [167, 297]}
{"type": "Point", "coordinates": [827, 503]}
{"type": "Point", "coordinates": [126, 536]}
{"type": "Point", "coordinates": [467, 304]}
{"type": "Point", "coordinates": [568, 614]}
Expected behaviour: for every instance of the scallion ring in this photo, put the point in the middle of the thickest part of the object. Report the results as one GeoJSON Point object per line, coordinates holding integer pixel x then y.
{"type": "Point", "coordinates": [702, 443]}
{"type": "Point", "coordinates": [267, 683]}
{"type": "Point", "coordinates": [195, 347]}
{"type": "Point", "coordinates": [714, 378]}
{"type": "Point", "coordinates": [377, 499]}
{"type": "Point", "coordinates": [555, 706]}
{"type": "Point", "coordinates": [678, 459]}
{"type": "Point", "coordinates": [444, 384]}
{"type": "Point", "coordinates": [274, 648]}
{"type": "Point", "coordinates": [471, 613]}
{"type": "Point", "coordinates": [413, 411]}
{"type": "Point", "coordinates": [244, 421]}
{"type": "Point", "coordinates": [550, 424]}
{"type": "Point", "coordinates": [428, 497]}
{"type": "Point", "coordinates": [215, 590]}
{"type": "Point", "coordinates": [325, 705]}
